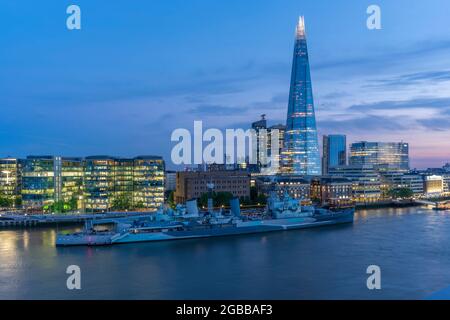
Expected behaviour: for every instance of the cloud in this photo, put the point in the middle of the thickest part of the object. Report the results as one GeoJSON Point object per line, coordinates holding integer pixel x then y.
{"type": "Point", "coordinates": [435, 103]}
{"type": "Point", "coordinates": [436, 124]}
{"type": "Point", "coordinates": [362, 124]}
{"type": "Point", "coordinates": [430, 77]}
{"type": "Point", "coordinates": [384, 60]}
{"type": "Point", "coordinates": [215, 110]}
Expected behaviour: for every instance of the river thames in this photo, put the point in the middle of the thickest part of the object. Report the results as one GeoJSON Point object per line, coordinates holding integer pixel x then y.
{"type": "Point", "coordinates": [410, 245]}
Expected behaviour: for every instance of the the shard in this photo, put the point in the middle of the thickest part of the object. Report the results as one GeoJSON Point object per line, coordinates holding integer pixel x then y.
{"type": "Point", "coordinates": [301, 147]}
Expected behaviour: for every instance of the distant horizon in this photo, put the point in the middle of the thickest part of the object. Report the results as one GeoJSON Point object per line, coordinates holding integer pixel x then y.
{"type": "Point", "coordinates": [119, 86]}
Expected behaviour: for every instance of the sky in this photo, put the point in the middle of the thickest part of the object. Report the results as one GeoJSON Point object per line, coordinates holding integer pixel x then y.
{"type": "Point", "coordinates": [139, 69]}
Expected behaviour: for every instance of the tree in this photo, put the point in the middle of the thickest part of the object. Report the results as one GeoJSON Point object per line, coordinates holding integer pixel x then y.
{"type": "Point", "coordinates": [57, 207]}
{"type": "Point", "coordinates": [121, 203]}
{"type": "Point", "coordinates": [5, 202]}
{"type": "Point", "coordinates": [401, 193]}
{"type": "Point", "coordinates": [171, 199]}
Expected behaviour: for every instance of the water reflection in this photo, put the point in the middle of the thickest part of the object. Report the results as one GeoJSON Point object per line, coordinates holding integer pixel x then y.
{"type": "Point", "coordinates": [410, 244]}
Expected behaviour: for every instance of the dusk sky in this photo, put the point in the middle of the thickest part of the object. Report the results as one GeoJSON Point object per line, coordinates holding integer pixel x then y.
{"type": "Point", "coordinates": [137, 70]}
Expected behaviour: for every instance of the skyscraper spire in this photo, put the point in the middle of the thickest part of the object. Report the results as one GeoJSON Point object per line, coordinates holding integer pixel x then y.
{"type": "Point", "coordinates": [300, 154]}
{"type": "Point", "coordinates": [300, 31]}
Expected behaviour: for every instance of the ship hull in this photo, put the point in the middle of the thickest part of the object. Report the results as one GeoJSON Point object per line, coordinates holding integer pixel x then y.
{"type": "Point", "coordinates": [207, 231]}
{"type": "Point", "coordinates": [248, 227]}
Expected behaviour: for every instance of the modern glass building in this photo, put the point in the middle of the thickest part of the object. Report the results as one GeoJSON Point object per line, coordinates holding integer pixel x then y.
{"type": "Point", "coordinates": [123, 183]}
{"type": "Point", "coordinates": [148, 177]}
{"type": "Point", "coordinates": [91, 184]}
{"type": "Point", "coordinates": [334, 151]}
{"type": "Point", "coordinates": [10, 181]}
{"type": "Point", "coordinates": [381, 155]}
{"type": "Point", "coordinates": [98, 183]}
{"type": "Point", "coordinates": [69, 181]}
{"type": "Point", "coordinates": [38, 181]}
{"type": "Point", "coordinates": [301, 148]}
{"type": "Point", "coordinates": [366, 181]}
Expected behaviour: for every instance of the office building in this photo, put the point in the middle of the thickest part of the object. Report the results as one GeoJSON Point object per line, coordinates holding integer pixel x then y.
{"type": "Point", "coordinates": [194, 184]}
{"type": "Point", "coordinates": [171, 181]}
{"type": "Point", "coordinates": [296, 186]}
{"type": "Point", "coordinates": [38, 181]}
{"type": "Point", "coordinates": [149, 180]}
{"type": "Point", "coordinates": [381, 155]}
{"type": "Point", "coordinates": [366, 181]}
{"type": "Point", "coordinates": [10, 181]}
{"type": "Point", "coordinates": [332, 192]}
{"type": "Point", "coordinates": [334, 151]}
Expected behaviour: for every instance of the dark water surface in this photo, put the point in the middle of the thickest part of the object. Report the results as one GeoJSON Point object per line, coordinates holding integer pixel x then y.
{"type": "Point", "coordinates": [411, 246]}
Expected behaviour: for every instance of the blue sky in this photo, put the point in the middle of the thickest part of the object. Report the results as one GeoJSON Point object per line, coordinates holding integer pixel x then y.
{"type": "Point", "coordinates": [139, 69]}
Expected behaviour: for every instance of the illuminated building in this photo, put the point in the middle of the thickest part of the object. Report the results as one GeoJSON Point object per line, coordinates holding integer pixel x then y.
{"type": "Point", "coordinates": [301, 148]}
{"type": "Point", "coordinates": [112, 183]}
{"type": "Point", "coordinates": [69, 174]}
{"type": "Point", "coordinates": [334, 151]}
{"type": "Point", "coordinates": [98, 183]}
{"type": "Point", "coordinates": [399, 179]}
{"type": "Point", "coordinates": [266, 162]}
{"type": "Point", "coordinates": [434, 185]}
{"type": "Point", "coordinates": [38, 181]}
{"type": "Point", "coordinates": [275, 159]}
{"type": "Point", "coordinates": [366, 182]}
{"type": "Point", "coordinates": [148, 182]}
{"type": "Point", "coordinates": [332, 192]}
{"type": "Point", "coordinates": [381, 155]}
{"type": "Point", "coordinates": [296, 186]}
{"type": "Point", "coordinates": [123, 180]}
{"type": "Point", "coordinates": [10, 180]}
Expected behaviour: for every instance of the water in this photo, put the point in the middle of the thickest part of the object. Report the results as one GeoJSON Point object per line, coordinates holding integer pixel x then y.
{"type": "Point", "coordinates": [411, 245]}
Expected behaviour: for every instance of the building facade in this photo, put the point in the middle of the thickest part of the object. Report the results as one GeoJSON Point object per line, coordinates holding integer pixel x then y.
{"type": "Point", "coordinates": [267, 160]}
{"type": "Point", "coordinates": [149, 180]}
{"type": "Point", "coordinates": [301, 147]}
{"type": "Point", "coordinates": [434, 185]}
{"type": "Point", "coordinates": [334, 151]}
{"type": "Point", "coordinates": [332, 192]}
{"type": "Point", "coordinates": [296, 186]}
{"type": "Point", "coordinates": [193, 184]}
{"type": "Point", "coordinates": [91, 184]}
{"type": "Point", "coordinates": [171, 181]}
{"type": "Point", "coordinates": [381, 155]}
{"type": "Point", "coordinates": [366, 181]}
{"type": "Point", "coordinates": [10, 181]}
{"type": "Point", "coordinates": [38, 181]}
{"type": "Point", "coordinates": [124, 183]}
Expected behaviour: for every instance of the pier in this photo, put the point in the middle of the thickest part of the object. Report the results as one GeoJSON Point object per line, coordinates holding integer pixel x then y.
{"type": "Point", "coordinates": [25, 221]}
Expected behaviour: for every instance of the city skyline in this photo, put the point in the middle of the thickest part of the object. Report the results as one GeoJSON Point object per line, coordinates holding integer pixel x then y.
{"type": "Point", "coordinates": [59, 92]}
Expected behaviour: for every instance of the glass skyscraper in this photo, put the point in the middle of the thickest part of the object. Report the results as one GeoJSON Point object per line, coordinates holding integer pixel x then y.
{"type": "Point", "coordinates": [381, 155]}
{"type": "Point", "coordinates": [334, 151]}
{"type": "Point", "coordinates": [301, 147]}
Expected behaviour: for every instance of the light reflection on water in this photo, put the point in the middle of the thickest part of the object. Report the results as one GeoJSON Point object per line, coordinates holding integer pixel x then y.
{"type": "Point", "coordinates": [409, 244]}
